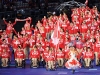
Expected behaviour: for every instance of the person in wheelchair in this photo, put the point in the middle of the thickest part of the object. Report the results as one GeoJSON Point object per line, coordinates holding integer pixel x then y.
{"type": "Point", "coordinates": [19, 57]}
{"type": "Point", "coordinates": [34, 56]}
{"type": "Point", "coordinates": [60, 57]}
{"type": "Point", "coordinates": [5, 57]}
{"type": "Point", "coordinates": [89, 56]}
{"type": "Point", "coordinates": [45, 53]}
{"type": "Point", "coordinates": [50, 59]}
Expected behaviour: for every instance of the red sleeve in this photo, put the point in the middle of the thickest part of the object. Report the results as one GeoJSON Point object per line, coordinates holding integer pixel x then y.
{"type": "Point", "coordinates": [5, 22]}
{"type": "Point", "coordinates": [30, 21]}
{"type": "Point", "coordinates": [13, 23]}
{"type": "Point", "coordinates": [15, 31]}
{"type": "Point", "coordinates": [32, 28]}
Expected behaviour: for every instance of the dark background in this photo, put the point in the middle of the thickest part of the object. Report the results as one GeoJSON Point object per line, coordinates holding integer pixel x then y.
{"type": "Point", "coordinates": [11, 9]}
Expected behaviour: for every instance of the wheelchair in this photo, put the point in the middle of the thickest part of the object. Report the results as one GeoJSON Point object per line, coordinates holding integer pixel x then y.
{"type": "Point", "coordinates": [31, 64]}
{"type": "Point", "coordinates": [91, 63]}
{"type": "Point", "coordinates": [42, 63]}
{"type": "Point", "coordinates": [22, 66]}
{"type": "Point", "coordinates": [8, 63]}
{"type": "Point", "coordinates": [52, 69]}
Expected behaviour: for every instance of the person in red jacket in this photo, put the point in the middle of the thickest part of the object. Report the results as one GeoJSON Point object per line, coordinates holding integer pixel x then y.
{"type": "Point", "coordinates": [28, 22]}
{"type": "Point", "coordinates": [0, 51]}
{"type": "Point", "coordinates": [34, 56]}
{"type": "Point", "coordinates": [45, 53]}
{"type": "Point", "coordinates": [28, 32]}
{"type": "Point", "coordinates": [19, 56]}
{"type": "Point", "coordinates": [50, 59]}
{"type": "Point", "coordinates": [32, 42]}
{"type": "Point", "coordinates": [10, 26]}
{"type": "Point", "coordinates": [15, 43]}
{"type": "Point", "coordinates": [89, 56]}
{"type": "Point", "coordinates": [97, 49]}
{"type": "Point", "coordinates": [60, 57]}
{"type": "Point", "coordinates": [25, 45]}
{"type": "Point", "coordinates": [5, 56]}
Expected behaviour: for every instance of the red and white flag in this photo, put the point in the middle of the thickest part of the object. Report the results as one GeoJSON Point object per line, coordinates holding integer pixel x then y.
{"type": "Point", "coordinates": [56, 34]}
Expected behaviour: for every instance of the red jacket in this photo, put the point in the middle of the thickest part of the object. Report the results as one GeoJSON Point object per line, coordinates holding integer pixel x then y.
{"type": "Point", "coordinates": [5, 54]}
{"type": "Point", "coordinates": [45, 53]}
{"type": "Point", "coordinates": [19, 54]}
{"type": "Point", "coordinates": [16, 43]}
{"type": "Point", "coordinates": [83, 29]}
{"type": "Point", "coordinates": [60, 54]}
{"type": "Point", "coordinates": [0, 51]}
{"type": "Point", "coordinates": [97, 47]}
{"type": "Point", "coordinates": [89, 54]}
{"type": "Point", "coordinates": [50, 56]}
{"type": "Point", "coordinates": [34, 54]}
{"type": "Point", "coordinates": [9, 28]}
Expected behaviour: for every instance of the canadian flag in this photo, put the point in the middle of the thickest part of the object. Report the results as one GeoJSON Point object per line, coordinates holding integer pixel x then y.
{"type": "Point", "coordinates": [56, 34]}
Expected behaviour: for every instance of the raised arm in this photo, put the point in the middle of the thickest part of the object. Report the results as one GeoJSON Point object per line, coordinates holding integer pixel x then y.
{"type": "Point", "coordinates": [30, 20]}
{"type": "Point", "coordinates": [5, 21]}
{"type": "Point", "coordinates": [14, 22]}
{"type": "Point", "coordinates": [86, 2]}
{"type": "Point", "coordinates": [15, 32]}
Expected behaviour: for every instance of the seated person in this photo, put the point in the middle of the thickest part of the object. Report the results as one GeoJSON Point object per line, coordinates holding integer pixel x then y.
{"type": "Point", "coordinates": [60, 57]}
{"type": "Point", "coordinates": [50, 59]}
{"type": "Point", "coordinates": [5, 57]}
{"type": "Point", "coordinates": [19, 56]}
{"type": "Point", "coordinates": [89, 56]}
{"type": "Point", "coordinates": [34, 56]}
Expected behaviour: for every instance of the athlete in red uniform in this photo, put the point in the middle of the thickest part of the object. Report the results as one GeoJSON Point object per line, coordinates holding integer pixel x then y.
{"type": "Point", "coordinates": [19, 56]}
{"type": "Point", "coordinates": [34, 56]}
{"type": "Point", "coordinates": [89, 56]}
{"type": "Point", "coordinates": [97, 49]}
{"type": "Point", "coordinates": [50, 58]}
{"type": "Point", "coordinates": [60, 57]}
{"type": "Point", "coordinates": [15, 43]}
{"type": "Point", "coordinates": [9, 28]}
{"type": "Point", "coordinates": [5, 56]}
{"type": "Point", "coordinates": [32, 42]}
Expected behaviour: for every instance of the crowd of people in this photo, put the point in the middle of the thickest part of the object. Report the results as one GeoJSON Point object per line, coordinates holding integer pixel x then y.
{"type": "Point", "coordinates": [79, 40]}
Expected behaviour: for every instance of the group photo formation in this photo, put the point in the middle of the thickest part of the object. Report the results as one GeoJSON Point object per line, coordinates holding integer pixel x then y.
{"type": "Point", "coordinates": [53, 42]}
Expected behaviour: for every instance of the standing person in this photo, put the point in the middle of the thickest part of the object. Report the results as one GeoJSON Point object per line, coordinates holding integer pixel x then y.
{"type": "Point", "coordinates": [72, 62]}
{"type": "Point", "coordinates": [28, 22]}
{"type": "Point", "coordinates": [15, 43]}
{"type": "Point", "coordinates": [32, 42]}
{"type": "Point", "coordinates": [10, 26]}
{"type": "Point", "coordinates": [79, 46]}
{"type": "Point", "coordinates": [26, 45]}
